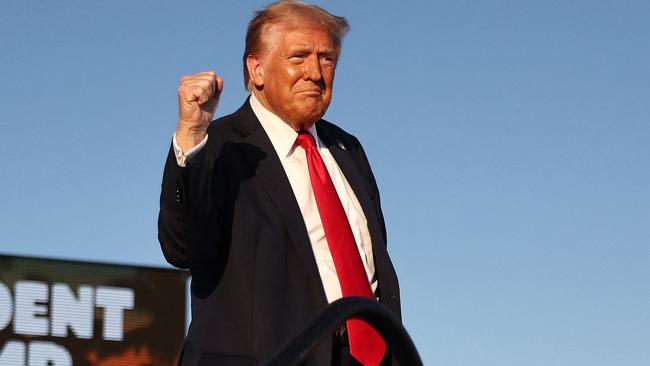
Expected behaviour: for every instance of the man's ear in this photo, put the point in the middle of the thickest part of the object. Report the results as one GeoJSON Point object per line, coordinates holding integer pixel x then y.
{"type": "Point", "coordinates": [255, 70]}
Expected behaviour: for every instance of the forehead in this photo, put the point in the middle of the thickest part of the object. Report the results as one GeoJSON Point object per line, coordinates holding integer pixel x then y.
{"type": "Point", "coordinates": [297, 34]}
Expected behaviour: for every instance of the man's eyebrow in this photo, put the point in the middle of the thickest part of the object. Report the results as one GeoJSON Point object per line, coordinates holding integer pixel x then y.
{"type": "Point", "coordinates": [299, 49]}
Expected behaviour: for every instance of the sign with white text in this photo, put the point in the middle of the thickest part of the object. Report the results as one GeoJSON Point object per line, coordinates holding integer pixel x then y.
{"type": "Point", "coordinates": [62, 313]}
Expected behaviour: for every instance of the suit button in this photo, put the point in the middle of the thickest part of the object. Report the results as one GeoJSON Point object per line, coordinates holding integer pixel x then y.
{"type": "Point", "coordinates": [179, 194]}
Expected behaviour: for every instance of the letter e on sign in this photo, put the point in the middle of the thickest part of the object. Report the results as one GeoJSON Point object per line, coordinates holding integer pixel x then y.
{"type": "Point", "coordinates": [68, 310]}
{"type": "Point", "coordinates": [31, 312]}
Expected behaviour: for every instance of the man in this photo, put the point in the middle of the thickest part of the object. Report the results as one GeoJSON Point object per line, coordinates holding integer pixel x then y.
{"type": "Point", "coordinates": [274, 210]}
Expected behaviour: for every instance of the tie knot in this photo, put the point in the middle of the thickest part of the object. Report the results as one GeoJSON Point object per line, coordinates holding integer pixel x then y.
{"type": "Point", "coordinates": [305, 140]}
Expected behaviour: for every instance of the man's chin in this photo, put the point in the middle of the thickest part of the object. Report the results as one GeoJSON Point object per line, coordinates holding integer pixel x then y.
{"type": "Point", "coordinates": [310, 112]}
{"type": "Point", "coordinates": [305, 121]}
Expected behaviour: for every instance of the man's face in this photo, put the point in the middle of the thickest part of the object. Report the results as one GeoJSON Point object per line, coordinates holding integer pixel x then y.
{"type": "Point", "coordinates": [297, 63]}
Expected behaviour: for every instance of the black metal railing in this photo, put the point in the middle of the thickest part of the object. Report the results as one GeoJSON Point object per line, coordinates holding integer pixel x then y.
{"type": "Point", "coordinates": [327, 322]}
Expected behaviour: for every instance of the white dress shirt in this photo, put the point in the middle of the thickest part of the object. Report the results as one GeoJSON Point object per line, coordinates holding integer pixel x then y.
{"type": "Point", "coordinates": [294, 162]}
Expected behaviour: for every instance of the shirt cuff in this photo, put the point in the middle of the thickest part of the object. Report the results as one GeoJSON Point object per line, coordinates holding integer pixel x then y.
{"type": "Point", "coordinates": [182, 159]}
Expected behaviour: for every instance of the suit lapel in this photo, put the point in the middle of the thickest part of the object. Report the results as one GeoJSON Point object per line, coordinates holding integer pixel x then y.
{"type": "Point", "coordinates": [271, 175]}
{"type": "Point", "coordinates": [351, 168]}
{"type": "Point", "coordinates": [352, 171]}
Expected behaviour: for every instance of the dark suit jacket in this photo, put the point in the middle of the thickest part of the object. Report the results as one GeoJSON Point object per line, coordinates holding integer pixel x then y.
{"type": "Point", "coordinates": [233, 220]}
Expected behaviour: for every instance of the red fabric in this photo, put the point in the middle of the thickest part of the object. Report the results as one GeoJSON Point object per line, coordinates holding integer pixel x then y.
{"type": "Point", "coordinates": [366, 344]}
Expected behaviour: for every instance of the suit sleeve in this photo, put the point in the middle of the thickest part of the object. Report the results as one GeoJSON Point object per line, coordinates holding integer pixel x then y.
{"type": "Point", "coordinates": [188, 228]}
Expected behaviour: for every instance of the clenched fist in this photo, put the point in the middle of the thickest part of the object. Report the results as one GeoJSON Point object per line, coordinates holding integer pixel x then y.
{"type": "Point", "coordinates": [198, 96]}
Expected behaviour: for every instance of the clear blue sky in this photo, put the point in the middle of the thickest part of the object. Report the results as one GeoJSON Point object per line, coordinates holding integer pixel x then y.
{"type": "Point", "coordinates": [510, 140]}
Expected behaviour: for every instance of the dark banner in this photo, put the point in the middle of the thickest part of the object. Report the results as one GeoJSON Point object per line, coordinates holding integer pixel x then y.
{"type": "Point", "coordinates": [59, 313]}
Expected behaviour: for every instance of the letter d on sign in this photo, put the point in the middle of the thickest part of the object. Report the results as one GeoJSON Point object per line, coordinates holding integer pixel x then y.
{"type": "Point", "coordinates": [47, 353]}
{"type": "Point", "coordinates": [6, 306]}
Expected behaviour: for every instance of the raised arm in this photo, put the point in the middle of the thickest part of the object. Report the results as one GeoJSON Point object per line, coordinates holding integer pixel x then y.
{"type": "Point", "coordinates": [187, 223]}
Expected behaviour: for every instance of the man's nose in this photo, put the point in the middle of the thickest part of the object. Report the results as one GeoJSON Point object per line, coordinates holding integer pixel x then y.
{"type": "Point", "coordinates": [313, 69]}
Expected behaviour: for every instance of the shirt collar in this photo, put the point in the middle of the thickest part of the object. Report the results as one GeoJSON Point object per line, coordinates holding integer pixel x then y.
{"type": "Point", "coordinates": [282, 136]}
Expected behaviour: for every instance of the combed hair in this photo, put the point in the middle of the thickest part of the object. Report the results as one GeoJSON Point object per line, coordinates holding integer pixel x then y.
{"type": "Point", "coordinates": [287, 12]}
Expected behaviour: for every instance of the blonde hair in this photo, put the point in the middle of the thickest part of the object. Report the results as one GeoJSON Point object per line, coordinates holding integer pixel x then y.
{"type": "Point", "coordinates": [287, 12]}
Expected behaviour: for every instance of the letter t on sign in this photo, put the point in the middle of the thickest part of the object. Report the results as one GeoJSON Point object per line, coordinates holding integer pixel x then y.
{"type": "Point", "coordinates": [114, 300]}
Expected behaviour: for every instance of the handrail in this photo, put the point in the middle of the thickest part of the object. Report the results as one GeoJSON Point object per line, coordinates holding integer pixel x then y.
{"type": "Point", "coordinates": [328, 320]}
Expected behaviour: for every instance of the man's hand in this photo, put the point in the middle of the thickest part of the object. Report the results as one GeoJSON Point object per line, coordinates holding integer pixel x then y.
{"type": "Point", "coordinates": [198, 96]}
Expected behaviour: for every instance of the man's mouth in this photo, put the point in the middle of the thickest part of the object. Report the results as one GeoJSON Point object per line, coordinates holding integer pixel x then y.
{"type": "Point", "coordinates": [313, 92]}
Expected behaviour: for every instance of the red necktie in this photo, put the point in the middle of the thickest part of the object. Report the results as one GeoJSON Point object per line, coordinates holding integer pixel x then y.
{"type": "Point", "coordinates": [366, 345]}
